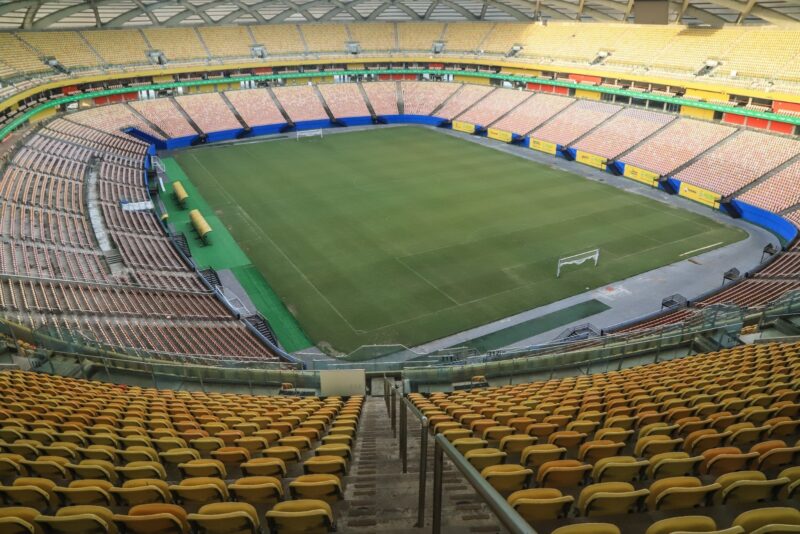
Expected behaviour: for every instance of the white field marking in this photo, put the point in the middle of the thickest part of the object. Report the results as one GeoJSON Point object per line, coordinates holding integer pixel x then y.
{"type": "Point", "coordinates": [699, 249]}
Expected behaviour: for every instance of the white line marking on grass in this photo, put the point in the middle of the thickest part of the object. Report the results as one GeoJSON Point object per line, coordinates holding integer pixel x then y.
{"type": "Point", "coordinates": [436, 288]}
{"type": "Point", "coordinates": [257, 228]}
{"type": "Point", "coordinates": [699, 249]}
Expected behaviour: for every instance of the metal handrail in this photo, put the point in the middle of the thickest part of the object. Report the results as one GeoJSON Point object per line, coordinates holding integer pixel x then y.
{"type": "Point", "coordinates": [423, 453]}
{"type": "Point", "coordinates": [509, 517]}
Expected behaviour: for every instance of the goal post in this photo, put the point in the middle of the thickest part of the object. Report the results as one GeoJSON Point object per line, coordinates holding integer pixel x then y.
{"type": "Point", "coordinates": [578, 259]}
{"type": "Point", "coordinates": [300, 134]}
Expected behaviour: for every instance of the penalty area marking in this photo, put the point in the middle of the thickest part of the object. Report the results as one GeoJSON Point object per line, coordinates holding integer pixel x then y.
{"type": "Point", "coordinates": [699, 249]}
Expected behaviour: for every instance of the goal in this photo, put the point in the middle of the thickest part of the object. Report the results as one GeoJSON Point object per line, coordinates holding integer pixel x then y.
{"type": "Point", "coordinates": [308, 133]}
{"type": "Point", "coordinates": [577, 259]}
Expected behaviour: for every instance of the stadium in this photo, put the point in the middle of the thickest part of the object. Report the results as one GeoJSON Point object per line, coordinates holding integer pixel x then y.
{"type": "Point", "coordinates": [392, 266]}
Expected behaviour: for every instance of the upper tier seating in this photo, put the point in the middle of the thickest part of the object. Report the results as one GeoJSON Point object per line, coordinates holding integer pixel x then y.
{"type": "Point", "coordinates": [575, 121]}
{"type": "Point", "coordinates": [571, 41]}
{"type": "Point", "coordinates": [176, 43]}
{"type": "Point", "coordinates": [778, 192]}
{"type": "Point", "coordinates": [686, 435]}
{"type": "Point", "coordinates": [132, 459]}
{"type": "Point", "coordinates": [118, 47]}
{"type": "Point", "coordinates": [68, 47]}
{"type": "Point", "coordinates": [738, 161]}
{"type": "Point", "coordinates": [689, 49]}
{"type": "Point", "coordinates": [419, 36]}
{"type": "Point", "coordinates": [494, 106]}
{"type": "Point", "coordinates": [677, 144]}
{"type": "Point", "coordinates": [255, 106]}
{"type": "Point", "coordinates": [422, 98]}
{"type": "Point", "coordinates": [209, 112]}
{"type": "Point", "coordinates": [18, 56]}
{"type": "Point", "coordinates": [533, 112]}
{"type": "Point", "coordinates": [301, 103]}
{"type": "Point", "coordinates": [382, 96]}
{"type": "Point", "coordinates": [747, 56]}
{"type": "Point", "coordinates": [163, 113]}
{"type": "Point", "coordinates": [638, 45]}
{"type": "Point", "coordinates": [374, 36]}
{"type": "Point", "coordinates": [325, 37]}
{"type": "Point", "coordinates": [226, 41]}
{"type": "Point", "coordinates": [505, 35]}
{"type": "Point", "coordinates": [465, 36]}
{"type": "Point", "coordinates": [344, 100]}
{"type": "Point", "coordinates": [465, 97]}
{"type": "Point", "coordinates": [279, 39]}
{"type": "Point", "coordinates": [622, 132]}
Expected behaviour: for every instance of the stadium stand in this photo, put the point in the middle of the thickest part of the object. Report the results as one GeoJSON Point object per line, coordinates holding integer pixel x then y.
{"type": "Point", "coordinates": [638, 45]}
{"type": "Point", "coordinates": [419, 36]}
{"type": "Point", "coordinates": [575, 121]}
{"type": "Point", "coordinates": [746, 57]}
{"type": "Point", "coordinates": [279, 39]}
{"type": "Point", "coordinates": [423, 98]}
{"type": "Point", "coordinates": [571, 42]}
{"type": "Point", "coordinates": [118, 47]}
{"type": "Point", "coordinates": [505, 35]}
{"type": "Point", "coordinates": [344, 100]}
{"type": "Point", "coordinates": [153, 459]}
{"type": "Point", "coordinates": [176, 43]}
{"type": "Point", "coordinates": [677, 144]}
{"type": "Point", "coordinates": [778, 192]}
{"type": "Point", "coordinates": [255, 106]}
{"type": "Point", "coordinates": [464, 98]}
{"type": "Point", "coordinates": [465, 36]}
{"type": "Point", "coordinates": [373, 37]}
{"type": "Point", "coordinates": [325, 37]}
{"type": "Point", "coordinates": [531, 113]}
{"type": "Point", "coordinates": [68, 47]}
{"type": "Point", "coordinates": [226, 41]}
{"type": "Point", "coordinates": [494, 106]}
{"type": "Point", "coordinates": [209, 112]}
{"type": "Point", "coordinates": [737, 162]}
{"type": "Point", "coordinates": [112, 119]}
{"type": "Point", "coordinates": [669, 436]}
{"type": "Point", "coordinates": [165, 116]}
{"type": "Point", "coordinates": [623, 131]}
{"type": "Point", "coordinates": [382, 96]}
{"type": "Point", "coordinates": [688, 50]}
{"type": "Point", "coordinates": [301, 103]}
{"type": "Point", "coordinates": [19, 57]}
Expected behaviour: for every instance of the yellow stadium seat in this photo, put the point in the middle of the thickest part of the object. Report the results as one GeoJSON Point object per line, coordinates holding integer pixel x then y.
{"type": "Point", "coordinates": [154, 518]}
{"type": "Point", "coordinates": [79, 520]}
{"type": "Point", "coordinates": [257, 490]}
{"type": "Point", "coordinates": [319, 486]}
{"type": "Point", "coordinates": [226, 518]}
{"type": "Point", "coordinates": [305, 516]}
{"type": "Point", "coordinates": [540, 504]}
{"type": "Point", "coordinates": [200, 490]}
{"type": "Point", "coordinates": [677, 493]}
{"type": "Point", "coordinates": [588, 528]}
{"type": "Point", "coordinates": [91, 492]}
{"type": "Point", "coordinates": [142, 491]}
{"type": "Point", "coordinates": [769, 520]}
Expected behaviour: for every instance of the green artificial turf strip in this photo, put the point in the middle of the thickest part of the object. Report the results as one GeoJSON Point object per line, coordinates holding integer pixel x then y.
{"type": "Point", "coordinates": [405, 235]}
{"type": "Point", "coordinates": [518, 332]}
{"type": "Point", "coordinates": [224, 253]}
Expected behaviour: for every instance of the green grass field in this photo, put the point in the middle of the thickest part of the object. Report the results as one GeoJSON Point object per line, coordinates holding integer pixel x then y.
{"type": "Point", "coordinates": [405, 235]}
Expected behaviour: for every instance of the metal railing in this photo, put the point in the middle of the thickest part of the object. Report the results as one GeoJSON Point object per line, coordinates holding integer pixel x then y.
{"type": "Point", "coordinates": [406, 406]}
{"type": "Point", "coordinates": [508, 517]}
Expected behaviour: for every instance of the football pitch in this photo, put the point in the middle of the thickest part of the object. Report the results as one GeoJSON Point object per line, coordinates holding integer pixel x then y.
{"type": "Point", "coordinates": [405, 234]}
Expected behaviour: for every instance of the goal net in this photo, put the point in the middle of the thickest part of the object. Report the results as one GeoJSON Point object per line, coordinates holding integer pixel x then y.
{"type": "Point", "coordinates": [308, 133]}
{"type": "Point", "coordinates": [578, 259]}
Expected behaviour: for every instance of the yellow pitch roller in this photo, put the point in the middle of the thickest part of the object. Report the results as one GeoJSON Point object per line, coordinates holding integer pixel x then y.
{"type": "Point", "coordinates": [180, 194]}
{"type": "Point", "coordinates": [200, 225]}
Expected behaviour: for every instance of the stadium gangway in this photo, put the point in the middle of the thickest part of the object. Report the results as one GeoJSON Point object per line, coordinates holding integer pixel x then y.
{"type": "Point", "coordinates": [509, 518]}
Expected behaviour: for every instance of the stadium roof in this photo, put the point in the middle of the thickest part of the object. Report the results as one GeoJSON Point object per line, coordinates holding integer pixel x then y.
{"type": "Point", "coordinates": [55, 14]}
